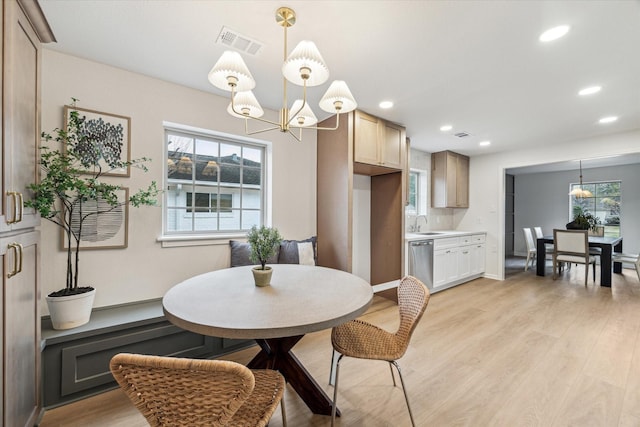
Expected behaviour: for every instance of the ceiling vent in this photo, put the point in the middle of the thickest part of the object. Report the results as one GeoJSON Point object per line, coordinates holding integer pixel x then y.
{"type": "Point", "coordinates": [461, 134]}
{"type": "Point", "coordinates": [237, 41]}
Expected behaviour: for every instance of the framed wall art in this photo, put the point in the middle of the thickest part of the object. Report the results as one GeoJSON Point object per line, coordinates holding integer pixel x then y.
{"type": "Point", "coordinates": [111, 133]}
{"type": "Point", "coordinates": [105, 226]}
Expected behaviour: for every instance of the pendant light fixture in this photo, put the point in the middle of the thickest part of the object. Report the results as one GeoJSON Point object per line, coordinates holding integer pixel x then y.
{"type": "Point", "coordinates": [579, 192]}
{"type": "Point", "coordinates": [304, 67]}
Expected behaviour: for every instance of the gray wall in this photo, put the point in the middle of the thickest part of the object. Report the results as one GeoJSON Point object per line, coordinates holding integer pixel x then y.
{"type": "Point", "coordinates": [541, 199]}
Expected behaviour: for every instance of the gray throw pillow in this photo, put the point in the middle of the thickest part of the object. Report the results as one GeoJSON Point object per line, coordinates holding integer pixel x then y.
{"type": "Point", "coordinates": [291, 252]}
{"type": "Point", "coordinates": [241, 252]}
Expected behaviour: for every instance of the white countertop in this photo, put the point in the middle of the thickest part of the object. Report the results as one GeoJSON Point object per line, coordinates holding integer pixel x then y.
{"type": "Point", "coordinates": [438, 234]}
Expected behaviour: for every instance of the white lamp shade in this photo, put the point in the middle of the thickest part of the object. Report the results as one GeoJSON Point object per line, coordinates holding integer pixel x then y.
{"type": "Point", "coordinates": [305, 55]}
{"type": "Point", "coordinates": [231, 65]}
{"type": "Point", "coordinates": [338, 92]}
{"type": "Point", "coordinates": [245, 101]}
{"type": "Point", "coordinates": [580, 193]}
{"type": "Point", "coordinates": [306, 114]}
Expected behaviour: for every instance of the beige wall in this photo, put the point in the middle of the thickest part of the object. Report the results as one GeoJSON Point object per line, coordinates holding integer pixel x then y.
{"type": "Point", "coordinates": [145, 270]}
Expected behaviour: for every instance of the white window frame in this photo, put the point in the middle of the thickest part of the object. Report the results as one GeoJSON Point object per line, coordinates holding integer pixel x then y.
{"type": "Point", "coordinates": [193, 238]}
{"type": "Point", "coordinates": [421, 193]}
{"type": "Point", "coordinates": [572, 198]}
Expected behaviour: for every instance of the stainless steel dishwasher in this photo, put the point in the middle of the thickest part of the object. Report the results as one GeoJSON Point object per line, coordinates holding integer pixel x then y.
{"type": "Point", "coordinates": [421, 261]}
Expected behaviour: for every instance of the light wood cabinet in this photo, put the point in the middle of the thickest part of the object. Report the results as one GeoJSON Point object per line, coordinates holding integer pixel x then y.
{"type": "Point", "coordinates": [378, 142]}
{"type": "Point", "coordinates": [449, 180]}
{"type": "Point", "coordinates": [23, 30]}
{"type": "Point", "coordinates": [21, 328]}
{"type": "Point", "coordinates": [355, 148]}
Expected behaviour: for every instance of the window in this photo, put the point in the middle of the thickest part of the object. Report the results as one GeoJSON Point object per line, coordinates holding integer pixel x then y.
{"type": "Point", "coordinates": [605, 204]}
{"type": "Point", "coordinates": [414, 193]}
{"type": "Point", "coordinates": [214, 184]}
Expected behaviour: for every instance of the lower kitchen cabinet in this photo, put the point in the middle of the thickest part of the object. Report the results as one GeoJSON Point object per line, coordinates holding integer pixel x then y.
{"type": "Point", "coordinates": [457, 260]}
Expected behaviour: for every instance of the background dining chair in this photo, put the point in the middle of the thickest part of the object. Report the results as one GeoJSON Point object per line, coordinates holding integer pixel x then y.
{"type": "Point", "coordinates": [531, 248]}
{"type": "Point", "coordinates": [363, 340]}
{"type": "Point", "coordinates": [633, 259]}
{"type": "Point", "coordinates": [171, 391]}
{"type": "Point", "coordinates": [549, 247]}
{"type": "Point", "coordinates": [573, 246]}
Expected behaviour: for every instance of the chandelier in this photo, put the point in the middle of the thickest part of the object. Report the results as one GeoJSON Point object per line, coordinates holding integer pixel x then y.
{"type": "Point", "coordinates": [579, 192]}
{"type": "Point", "coordinates": [304, 67]}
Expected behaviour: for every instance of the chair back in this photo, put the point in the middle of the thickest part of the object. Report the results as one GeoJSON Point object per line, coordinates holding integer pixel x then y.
{"type": "Point", "coordinates": [528, 237]}
{"type": "Point", "coordinates": [171, 391]}
{"type": "Point", "coordinates": [413, 297]}
{"type": "Point", "coordinates": [538, 231]}
{"type": "Point", "coordinates": [573, 242]}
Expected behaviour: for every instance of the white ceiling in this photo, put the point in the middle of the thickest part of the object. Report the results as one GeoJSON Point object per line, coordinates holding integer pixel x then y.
{"type": "Point", "coordinates": [477, 65]}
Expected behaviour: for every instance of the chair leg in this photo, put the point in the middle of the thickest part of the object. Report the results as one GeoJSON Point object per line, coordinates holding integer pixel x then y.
{"type": "Point", "coordinates": [404, 389]}
{"type": "Point", "coordinates": [334, 406]}
{"type": "Point", "coordinates": [284, 413]}
{"type": "Point", "coordinates": [586, 274]}
{"type": "Point", "coordinates": [332, 373]}
{"type": "Point", "coordinates": [526, 264]}
{"type": "Point", "coordinates": [594, 272]}
{"type": "Point", "coordinates": [393, 377]}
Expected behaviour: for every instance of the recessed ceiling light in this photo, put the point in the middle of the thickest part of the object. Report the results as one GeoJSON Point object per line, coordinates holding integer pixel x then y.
{"type": "Point", "coordinates": [386, 104]}
{"type": "Point", "coordinates": [590, 90]}
{"type": "Point", "coordinates": [554, 33]}
{"type": "Point", "coordinates": [609, 119]}
{"type": "Point", "coordinates": [446, 128]}
{"type": "Point", "coordinates": [484, 143]}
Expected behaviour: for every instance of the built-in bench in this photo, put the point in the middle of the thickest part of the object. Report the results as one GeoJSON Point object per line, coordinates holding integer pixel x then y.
{"type": "Point", "coordinates": [75, 362]}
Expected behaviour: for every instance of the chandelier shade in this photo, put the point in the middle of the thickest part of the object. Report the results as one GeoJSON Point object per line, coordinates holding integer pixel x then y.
{"type": "Point", "coordinates": [245, 104]}
{"type": "Point", "coordinates": [304, 116]}
{"type": "Point", "coordinates": [579, 192]}
{"type": "Point", "coordinates": [338, 98]}
{"type": "Point", "coordinates": [230, 73]}
{"type": "Point", "coordinates": [305, 64]}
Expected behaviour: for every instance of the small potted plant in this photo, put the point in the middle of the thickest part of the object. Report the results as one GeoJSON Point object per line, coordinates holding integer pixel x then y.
{"type": "Point", "coordinates": [264, 242]}
{"type": "Point", "coordinates": [70, 193]}
{"type": "Point", "coordinates": [583, 220]}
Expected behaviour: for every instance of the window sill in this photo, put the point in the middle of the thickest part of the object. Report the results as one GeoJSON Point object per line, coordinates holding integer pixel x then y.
{"type": "Point", "coordinates": [176, 241]}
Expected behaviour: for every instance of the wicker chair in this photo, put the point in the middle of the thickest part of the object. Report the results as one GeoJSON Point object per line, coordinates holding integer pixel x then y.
{"type": "Point", "coordinates": [172, 392]}
{"type": "Point", "coordinates": [363, 340]}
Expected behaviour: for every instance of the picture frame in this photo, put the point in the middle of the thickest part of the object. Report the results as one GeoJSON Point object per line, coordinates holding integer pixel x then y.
{"type": "Point", "coordinates": [107, 230]}
{"type": "Point", "coordinates": [119, 142]}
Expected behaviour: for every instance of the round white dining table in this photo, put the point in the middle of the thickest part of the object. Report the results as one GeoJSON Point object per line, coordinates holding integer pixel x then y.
{"type": "Point", "coordinates": [301, 299]}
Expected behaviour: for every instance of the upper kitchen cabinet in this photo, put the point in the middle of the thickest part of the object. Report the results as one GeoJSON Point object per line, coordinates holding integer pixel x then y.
{"type": "Point", "coordinates": [377, 143]}
{"type": "Point", "coordinates": [24, 30]}
{"type": "Point", "coordinates": [449, 180]}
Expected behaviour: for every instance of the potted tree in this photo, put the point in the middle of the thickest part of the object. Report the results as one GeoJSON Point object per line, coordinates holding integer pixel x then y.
{"type": "Point", "coordinates": [264, 242]}
{"type": "Point", "coordinates": [70, 193]}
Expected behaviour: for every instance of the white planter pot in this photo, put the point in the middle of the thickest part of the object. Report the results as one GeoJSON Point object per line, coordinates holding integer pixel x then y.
{"type": "Point", "coordinates": [70, 311]}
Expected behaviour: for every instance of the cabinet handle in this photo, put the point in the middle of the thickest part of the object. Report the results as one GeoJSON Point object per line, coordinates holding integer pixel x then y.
{"type": "Point", "coordinates": [17, 258]}
{"type": "Point", "coordinates": [20, 207]}
{"type": "Point", "coordinates": [465, 252]}
{"type": "Point", "coordinates": [12, 194]}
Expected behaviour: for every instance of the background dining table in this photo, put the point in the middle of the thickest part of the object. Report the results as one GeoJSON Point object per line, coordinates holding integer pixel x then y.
{"type": "Point", "coordinates": [301, 299]}
{"type": "Point", "coordinates": [606, 243]}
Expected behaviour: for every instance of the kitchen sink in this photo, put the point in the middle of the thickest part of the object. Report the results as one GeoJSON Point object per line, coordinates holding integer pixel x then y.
{"type": "Point", "coordinates": [429, 233]}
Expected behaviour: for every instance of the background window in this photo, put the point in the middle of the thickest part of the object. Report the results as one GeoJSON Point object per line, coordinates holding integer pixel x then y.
{"type": "Point", "coordinates": [213, 185]}
{"type": "Point", "coordinates": [414, 193]}
{"type": "Point", "coordinates": [605, 204]}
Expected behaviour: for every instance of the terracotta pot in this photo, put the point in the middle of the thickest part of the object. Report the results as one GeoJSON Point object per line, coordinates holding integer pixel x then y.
{"type": "Point", "coordinates": [262, 277]}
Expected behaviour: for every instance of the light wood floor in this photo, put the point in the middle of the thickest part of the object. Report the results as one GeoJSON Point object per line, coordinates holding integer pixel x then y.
{"type": "Point", "coordinates": [527, 351]}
